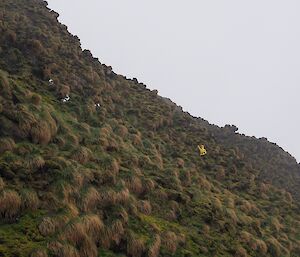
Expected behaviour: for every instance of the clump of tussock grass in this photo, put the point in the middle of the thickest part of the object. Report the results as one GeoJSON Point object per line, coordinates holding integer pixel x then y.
{"type": "Point", "coordinates": [144, 207]}
{"type": "Point", "coordinates": [64, 90]}
{"type": "Point", "coordinates": [90, 199]}
{"type": "Point", "coordinates": [39, 253]}
{"type": "Point", "coordinates": [62, 250]}
{"type": "Point", "coordinates": [88, 248]}
{"type": "Point", "coordinates": [180, 163]}
{"type": "Point", "coordinates": [148, 185]}
{"type": "Point", "coordinates": [137, 139]}
{"type": "Point", "coordinates": [36, 99]}
{"type": "Point", "coordinates": [82, 155]}
{"type": "Point", "coordinates": [154, 247]}
{"type": "Point", "coordinates": [7, 144]}
{"type": "Point", "coordinates": [4, 84]}
{"type": "Point", "coordinates": [170, 241]}
{"type": "Point", "coordinates": [35, 163]}
{"type": "Point", "coordinates": [274, 247]}
{"type": "Point", "coordinates": [30, 200]}
{"type": "Point", "coordinates": [122, 131]}
{"type": "Point", "coordinates": [117, 231]}
{"type": "Point", "coordinates": [10, 205]}
{"type": "Point", "coordinates": [135, 246]}
{"type": "Point", "coordinates": [94, 226]}
{"type": "Point", "coordinates": [220, 173]}
{"type": "Point", "coordinates": [134, 184]}
{"type": "Point", "coordinates": [2, 184]}
{"type": "Point", "coordinates": [275, 224]}
{"type": "Point", "coordinates": [231, 214]}
{"type": "Point", "coordinates": [240, 252]}
{"type": "Point", "coordinates": [41, 133]}
{"type": "Point", "coordinates": [48, 226]}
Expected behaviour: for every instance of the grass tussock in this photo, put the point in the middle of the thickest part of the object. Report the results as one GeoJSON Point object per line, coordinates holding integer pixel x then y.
{"type": "Point", "coordinates": [10, 205]}
{"type": "Point", "coordinates": [169, 241]}
{"type": "Point", "coordinates": [41, 133]}
{"type": "Point", "coordinates": [154, 247]}
{"type": "Point", "coordinates": [117, 231]}
{"type": "Point", "coordinates": [82, 155]}
{"type": "Point", "coordinates": [36, 99]}
{"type": "Point", "coordinates": [62, 250]}
{"type": "Point", "coordinates": [134, 184]}
{"type": "Point", "coordinates": [2, 184]}
{"type": "Point", "coordinates": [90, 200]}
{"type": "Point", "coordinates": [93, 226]}
{"type": "Point", "coordinates": [47, 227]}
{"type": "Point", "coordinates": [30, 200]}
{"type": "Point", "coordinates": [135, 246]}
{"type": "Point", "coordinates": [241, 252]}
{"type": "Point", "coordinates": [145, 207]}
{"type": "Point", "coordinates": [39, 253]}
{"type": "Point", "coordinates": [7, 144]}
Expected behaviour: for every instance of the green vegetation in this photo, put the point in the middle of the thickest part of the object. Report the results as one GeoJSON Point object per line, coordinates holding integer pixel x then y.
{"type": "Point", "coordinates": [115, 169]}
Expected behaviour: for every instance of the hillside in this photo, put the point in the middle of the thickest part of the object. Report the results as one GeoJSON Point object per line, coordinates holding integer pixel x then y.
{"type": "Point", "coordinates": [95, 164]}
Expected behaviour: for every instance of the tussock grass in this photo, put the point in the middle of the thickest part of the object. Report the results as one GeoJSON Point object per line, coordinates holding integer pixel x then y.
{"type": "Point", "coordinates": [10, 205]}
{"type": "Point", "coordinates": [274, 247]}
{"type": "Point", "coordinates": [30, 200]}
{"type": "Point", "coordinates": [39, 253]}
{"type": "Point", "coordinates": [94, 226]}
{"type": "Point", "coordinates": [47, 227]}
{"type": "Point", "coordinates": [169, 241]}
{"type": "Point", "coordinates": [134, 184]}
{"type": "Point", "coordinates": [241, 252]}
{"type": "Point", "coordinates": [145, 207]}
{"type": "Point", "coordinates": [2, 184]}
{"type": "Point", "coordinates": [7, 144]}
{"type": "Point", "coordinates": [91, 199]}
{"type": "Point", "coordinates": [135, 246]}
{"type": "Point", "coordinates": [82, 155]}
{"type": "Point", "coordinates": [36, 99]}
{"type": "Point", "coordinates": [41, 133]}
{"type": "Point", "coordinates": [154, 247]}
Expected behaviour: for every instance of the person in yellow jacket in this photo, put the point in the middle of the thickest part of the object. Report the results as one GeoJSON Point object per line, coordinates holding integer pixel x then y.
{"type": "Point", "coordinates": [202, 150]}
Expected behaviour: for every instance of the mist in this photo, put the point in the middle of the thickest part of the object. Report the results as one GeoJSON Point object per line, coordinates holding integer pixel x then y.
{"type": "Point", "coordinates": [229, 62]}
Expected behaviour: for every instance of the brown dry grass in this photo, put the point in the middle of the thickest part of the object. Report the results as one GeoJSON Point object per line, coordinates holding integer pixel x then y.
{"type": "Point", "coordinates": [41, 133]}
{"type": "Point", "coordinates": [134, 184]}
{"type": "Point", "coordinates": [169, 241]}
{"type": "Point", "coordinates": [241, 252]}
{"type": "Point", "coordinates": [88, 248]}
{"type": "Point", "coordinates": [82, 155]}
{"type": "Point", "coordinates": [10, 205]}
{"type": "Point", "coordinates": [47, 227]}
{"type": "Point", "coordinates": [64, 90]}
{"type": "Point", "coordinates": [36, 99]}
{"type": "Point", "coordinates": [90, 200]}
{"type": "Point", "coordinates": [39, 253]}
{"type": "Point", "coordinates": [154, 247]}
{"type": "Point", "coordinates": [30, 200]}
{"type": "Point", "coordinates": [117, 231]}
{"type": "Point", "coordinates": [145, 207]}
{"type": "Point", "coordinates": [93, 226]}
{"type": "Point", "coordinates": [36, 163]}
{"type": "Point", "coordinates": [7, 144]}
{"type": "Point", "coordinates": [135, 246]}
{"type": "Point", "coordinates": [180, 163]}
{"type": "Point", "coordinates": [62, 250]}
{"type": "Point", "coordinates": [2, 184]}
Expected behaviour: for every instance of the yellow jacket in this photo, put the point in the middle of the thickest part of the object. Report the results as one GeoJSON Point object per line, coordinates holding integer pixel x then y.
{"type": "Point", "coordinates": [202, 150]}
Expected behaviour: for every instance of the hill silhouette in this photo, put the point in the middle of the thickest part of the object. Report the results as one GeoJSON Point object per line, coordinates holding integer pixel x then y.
{"type": "Point", "coordinates": [95, 164]}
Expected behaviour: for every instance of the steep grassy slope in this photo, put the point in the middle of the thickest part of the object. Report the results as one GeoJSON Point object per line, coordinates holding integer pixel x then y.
{"type": "Point", "coordinates": [115, 170]}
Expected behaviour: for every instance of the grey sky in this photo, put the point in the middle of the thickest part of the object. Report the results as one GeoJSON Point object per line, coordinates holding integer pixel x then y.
{"type": "Point", "coordinates": [230, 62]}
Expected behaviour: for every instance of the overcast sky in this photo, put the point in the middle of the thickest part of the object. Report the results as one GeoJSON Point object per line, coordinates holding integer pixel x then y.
{"type": "Point", "coordinates": [229, 62]}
